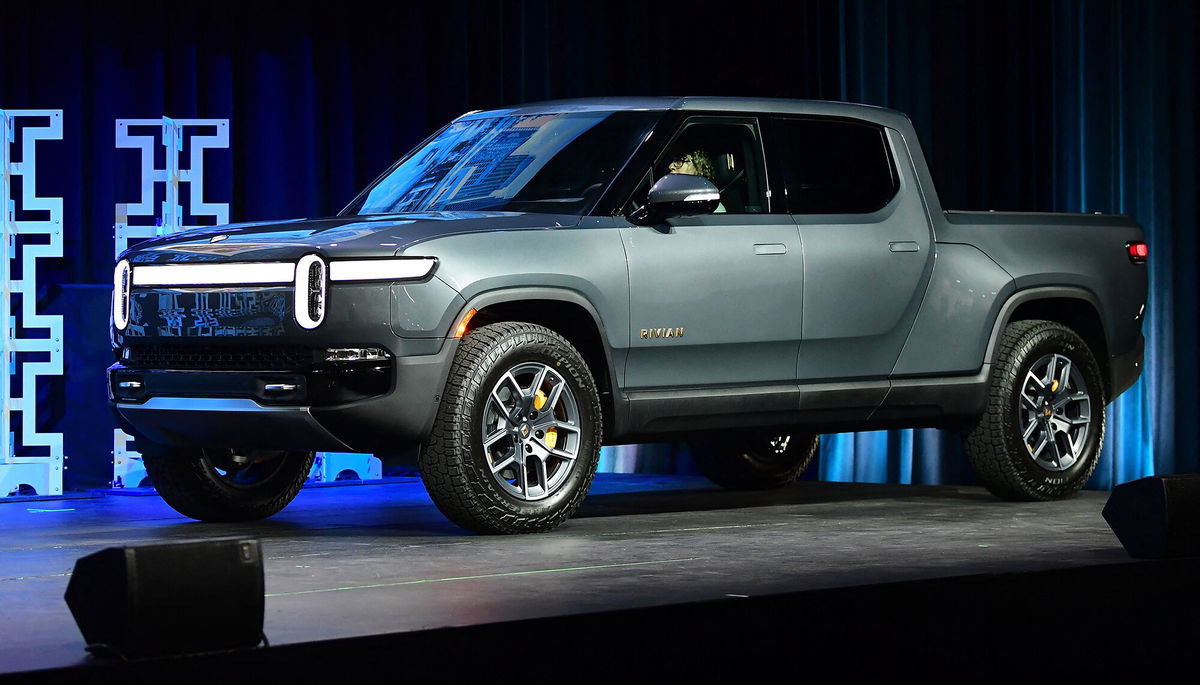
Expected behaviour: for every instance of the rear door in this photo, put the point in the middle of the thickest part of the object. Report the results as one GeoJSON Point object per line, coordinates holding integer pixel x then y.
{"type": "Point", "coordinates": [851, 190]}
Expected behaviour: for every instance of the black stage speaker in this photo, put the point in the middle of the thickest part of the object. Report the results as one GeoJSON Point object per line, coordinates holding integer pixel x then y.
{"type": "Point", "coordinates": [1157, 517]}
{"type": "Point", "coordinates": [171, 598]}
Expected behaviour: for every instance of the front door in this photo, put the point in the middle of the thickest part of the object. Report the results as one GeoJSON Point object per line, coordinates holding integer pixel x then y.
{"type": "Point", "coordinates": [715, 300]}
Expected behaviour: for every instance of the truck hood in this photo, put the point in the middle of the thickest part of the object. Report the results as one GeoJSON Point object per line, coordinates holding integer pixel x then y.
{"type": "Point", "coordinates": [333, 237]}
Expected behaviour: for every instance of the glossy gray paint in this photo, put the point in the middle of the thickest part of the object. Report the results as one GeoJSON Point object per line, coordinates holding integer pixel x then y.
{"type": "Point", "coordinates": [334, 237]}
{"type": "Point", "coordinates": [836, 322]}
{"type": "Point", "coordinates": [952, 328]}
{"type": "Point", "coordinates": [1079, 250]}
{"type": "Point", "coordinates": [861, 292]}
{"type": "Point", "coordinates": [705, 275]}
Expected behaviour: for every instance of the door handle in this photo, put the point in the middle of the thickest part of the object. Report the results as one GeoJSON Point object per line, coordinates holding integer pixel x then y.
{"type": "Point", "coordinates": [770, 248]}
{"type": "Point", "coordinates": [904, 246]}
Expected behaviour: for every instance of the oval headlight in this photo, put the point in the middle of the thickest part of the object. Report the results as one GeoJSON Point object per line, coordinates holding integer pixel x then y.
{"type": "Point", "coordinates": [122, 280]}
{"type": "Point", "coordinates": [309, 297]}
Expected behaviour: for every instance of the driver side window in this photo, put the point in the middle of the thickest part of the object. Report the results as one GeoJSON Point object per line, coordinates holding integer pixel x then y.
{"type": "Point", "coordinates": [726, 151]}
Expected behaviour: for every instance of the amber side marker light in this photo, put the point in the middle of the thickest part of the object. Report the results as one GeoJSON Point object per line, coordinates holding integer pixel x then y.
{"type": "Point", "coordinates": [462, 326]}
{"type": "Point", "coordinates": [1138, 252]}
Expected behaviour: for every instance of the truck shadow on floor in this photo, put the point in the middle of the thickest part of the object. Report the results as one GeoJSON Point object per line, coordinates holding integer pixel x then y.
{"type": "Point", "coordinates": [380, 514]}
{"type": "Point", "coordinates": [798, 494]}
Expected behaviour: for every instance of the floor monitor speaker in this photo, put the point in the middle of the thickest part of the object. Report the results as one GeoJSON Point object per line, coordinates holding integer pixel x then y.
{"type": "Point", "coordinates": [171, 598]}
{"type": "Point", "coordinates": [1157, 517]}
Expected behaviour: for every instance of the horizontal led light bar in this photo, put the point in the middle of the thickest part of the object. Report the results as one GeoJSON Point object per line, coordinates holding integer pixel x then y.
{"type": "Point", "coordinates": [214, 274]}
{"type": "Point", "coordinates": [249, 273]}
{"type": "Point", "coordinates": [380, 269]}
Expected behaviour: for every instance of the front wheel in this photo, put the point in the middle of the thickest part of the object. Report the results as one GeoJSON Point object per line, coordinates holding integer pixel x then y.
{"type": "Point", "coordinates": [754, 460]}
{"type": "Point", "coordinates": [224, 484]}
{"type": "Point", "coordinates": [516, 440]}
{"type": "Point", "coordinates": [1041, 434]}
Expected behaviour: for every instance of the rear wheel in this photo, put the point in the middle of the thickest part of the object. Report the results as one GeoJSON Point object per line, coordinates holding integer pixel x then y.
{"type": "Point", "coordinates": [754, 460]}
{"type": "Point", "coordinates": [226, 484]}
{"type": "Point", "coordinates": [1041, 434]}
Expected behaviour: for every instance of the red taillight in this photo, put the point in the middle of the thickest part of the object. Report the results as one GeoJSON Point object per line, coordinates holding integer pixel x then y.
{"type": "Point", "coordinates": [1138, 252]}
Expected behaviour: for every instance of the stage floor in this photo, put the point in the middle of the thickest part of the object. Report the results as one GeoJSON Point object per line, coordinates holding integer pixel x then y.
{"type": "Point", "coordinates": [374, 559]}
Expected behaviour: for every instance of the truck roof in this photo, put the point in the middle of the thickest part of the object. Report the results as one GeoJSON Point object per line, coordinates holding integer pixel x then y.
{"type": "Point", "coordinates": [878, 115]}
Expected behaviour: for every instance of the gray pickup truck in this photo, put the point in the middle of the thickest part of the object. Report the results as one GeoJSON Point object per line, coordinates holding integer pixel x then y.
{"type": "Point", "coordinates": [531, 283]}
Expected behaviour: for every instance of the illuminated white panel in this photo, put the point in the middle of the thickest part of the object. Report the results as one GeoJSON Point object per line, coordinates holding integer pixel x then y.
{"type": "Point", "coordinates": [214, 274]}
{"type": "Point", "coordinates": [380, 269]}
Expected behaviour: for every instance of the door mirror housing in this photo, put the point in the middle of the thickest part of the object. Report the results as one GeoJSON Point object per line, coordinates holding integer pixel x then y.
{"type": "Point", "coordinates": [677, 195]}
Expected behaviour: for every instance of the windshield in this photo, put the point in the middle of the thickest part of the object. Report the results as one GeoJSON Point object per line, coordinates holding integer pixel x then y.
{"type": "Point", "coordinates": [550, 163]}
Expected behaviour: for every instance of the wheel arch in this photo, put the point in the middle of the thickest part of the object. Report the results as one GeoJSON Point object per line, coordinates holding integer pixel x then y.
{"type": "Point", "coordinates": [1074, 307]}
{"type": "Point", "coordinates": [566, 312]}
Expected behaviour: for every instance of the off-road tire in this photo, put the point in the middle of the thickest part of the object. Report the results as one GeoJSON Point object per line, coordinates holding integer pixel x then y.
{"type": "Point", "coordinates": [994, 445]}
{"type": "Point", "coordinates": [452, 461]}
{"type": "Point", "coordinates": [187, 480]}
{"type": "Point", "coordinates": [746, 460]}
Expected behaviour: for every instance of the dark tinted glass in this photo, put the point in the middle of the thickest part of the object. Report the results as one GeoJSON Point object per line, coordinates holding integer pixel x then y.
{"type": "Point", "coordinates": [550, 163]}
{"type": "Point", "coordinates": [726, 152]}
{"type": "Point", "coordinates": [834, 167]}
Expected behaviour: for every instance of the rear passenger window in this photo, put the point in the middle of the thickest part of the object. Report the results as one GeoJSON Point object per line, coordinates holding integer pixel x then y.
{"type": "Point", "coordinates": [835, 167]}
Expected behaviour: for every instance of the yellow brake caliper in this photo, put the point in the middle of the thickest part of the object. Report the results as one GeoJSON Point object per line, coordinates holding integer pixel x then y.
{"type": "Point", "coordinates": [1053, 388]}
{"type": "Point", "coordinates": [539, 401]}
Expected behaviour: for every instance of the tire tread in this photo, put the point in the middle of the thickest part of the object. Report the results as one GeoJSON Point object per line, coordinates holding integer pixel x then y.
{"type": "Point", "coordinates": [444, 459]}
{"type": "Point", "coordinates": [184, 481]}
{"type": "Point", "coordinates": [987, 444]}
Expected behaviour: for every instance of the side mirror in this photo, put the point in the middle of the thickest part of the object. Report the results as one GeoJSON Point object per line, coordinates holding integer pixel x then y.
{"type": "Point", "coordinates": [677, 195]}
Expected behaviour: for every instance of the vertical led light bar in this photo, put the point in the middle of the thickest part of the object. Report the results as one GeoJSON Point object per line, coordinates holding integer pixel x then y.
{"type": "Point", "coordinates": [42, 473]}
{"type": "Point", "coordinates": [122, 282]}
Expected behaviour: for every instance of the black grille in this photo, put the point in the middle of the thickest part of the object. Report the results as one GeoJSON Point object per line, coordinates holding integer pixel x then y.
{"type": "Point", "coordinates": [218, 357]}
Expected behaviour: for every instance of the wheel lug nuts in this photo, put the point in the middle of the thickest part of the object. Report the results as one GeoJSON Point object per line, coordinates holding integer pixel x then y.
{"type": "Point", "coordinates": [528, 447]}
{"type": "Point", "coordinates": [540, 434]}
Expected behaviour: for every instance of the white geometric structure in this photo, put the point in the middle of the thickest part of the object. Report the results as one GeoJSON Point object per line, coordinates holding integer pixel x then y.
{"type": "Point", "coordinates": [128, 470]}
{"type": "Point", "coordinates": [167, 218]}
{"type": "Point", "coordinates": [18, 473]}
{"type": "Point", "coordinates": [333, 466]}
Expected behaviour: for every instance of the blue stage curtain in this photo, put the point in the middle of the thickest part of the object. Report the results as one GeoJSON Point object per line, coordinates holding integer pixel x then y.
{"type": "Point", "coordinates": [1114, 86]}
{"type": "Point", "coordinates": [1022, 105]}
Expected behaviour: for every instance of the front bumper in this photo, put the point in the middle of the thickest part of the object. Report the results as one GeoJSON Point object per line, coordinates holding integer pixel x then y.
{"type": "Point", "coordinates": [223, 409]}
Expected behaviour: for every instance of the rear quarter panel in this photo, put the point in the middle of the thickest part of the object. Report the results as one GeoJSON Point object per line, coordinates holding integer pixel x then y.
{"type": "Point", "coordinates": [1074, 250]}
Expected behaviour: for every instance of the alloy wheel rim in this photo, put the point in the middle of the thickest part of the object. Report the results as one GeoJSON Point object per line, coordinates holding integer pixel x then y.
{"type": "Point", "coordinates": [531, 431]}
{"type": "Point", "coordinates": [1054, 413]}
{"type": "Point", "coordinates": [244, 470]}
